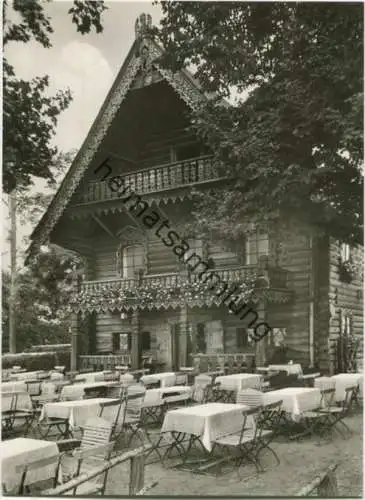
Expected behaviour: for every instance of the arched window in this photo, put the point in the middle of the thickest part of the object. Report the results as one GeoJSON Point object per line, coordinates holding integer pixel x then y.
{"type": "Point", "coordinates": [133, 260]}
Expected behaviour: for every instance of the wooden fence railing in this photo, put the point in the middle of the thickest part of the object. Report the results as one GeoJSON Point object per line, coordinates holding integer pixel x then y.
{"type": "Point", "coordinates": [324, 484]}
{"type": "Point", "coordinates": [136, 474]}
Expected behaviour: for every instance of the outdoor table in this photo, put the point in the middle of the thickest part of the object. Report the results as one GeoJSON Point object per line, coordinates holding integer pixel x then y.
{"type": "Point", "coordinates": [77, 391]}
{"type": "Point", "coordinates": [76, 412]}
{"type": "Point", "coordinates": [166, 379]}
{"type": "Point", "coordinates": [296, 400]}
{"type": "Point", "coordinates": [345, 380]}
{"type": "Point", "coordinates": [15, 386]}
{"type": "Point", "coordinates": [239, 381]}
{"type": "Point", "coordinates": [90, 377]}
{"type": "Point", "coordinates": [205, 423]}
{"type": "Point", "coordinates": [294, 369]}
{"type": "Point", "coordinates": [27, 375]}
{"type": "Point", "coordinates": [21, 451]}
{"type": "Point", "coordinates": [56, 376]}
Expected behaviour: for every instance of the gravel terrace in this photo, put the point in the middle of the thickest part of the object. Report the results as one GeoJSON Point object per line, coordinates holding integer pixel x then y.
{"type": "Point", "coordinates": [300, 460]}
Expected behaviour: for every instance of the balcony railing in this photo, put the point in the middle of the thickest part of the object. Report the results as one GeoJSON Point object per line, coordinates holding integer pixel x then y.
{"type": "Point", "coordinates": [155, 179]}
{"type": "Point", "coordinates": [275, 278]}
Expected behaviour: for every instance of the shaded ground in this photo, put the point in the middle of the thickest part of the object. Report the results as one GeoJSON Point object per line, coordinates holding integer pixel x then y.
{"type": "Point", "coordinates": [300, 463]}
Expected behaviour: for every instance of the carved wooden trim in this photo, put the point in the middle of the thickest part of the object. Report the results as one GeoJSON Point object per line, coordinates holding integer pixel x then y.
{"type": "Point", "coordinates": [185, 87]}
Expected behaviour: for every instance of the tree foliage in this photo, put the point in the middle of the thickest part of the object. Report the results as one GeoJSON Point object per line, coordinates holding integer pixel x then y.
{"type": "Point", "coordinates": [294, 145]}
{"type": "Point", "coordinates": [41, 295]}
{"type": "Point", "coordinates": [30, 115]}
{"type": "Point", "coordinates": [42, 287]}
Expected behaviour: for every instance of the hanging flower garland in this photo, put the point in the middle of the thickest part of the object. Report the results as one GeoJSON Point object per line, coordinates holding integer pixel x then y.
{"type": "Point", "coordinates": [159, 294]}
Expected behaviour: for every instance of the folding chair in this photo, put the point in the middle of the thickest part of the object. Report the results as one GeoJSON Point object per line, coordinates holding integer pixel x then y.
{"type": "Point", "coordinates": [27, 469]}
{"type": "Point", "coordinates": [336, 414]}
{"type": "Point", "coordinates": [181, 379]}
{"type": "Point", "coordinates": [249, 397]}
{"type": "Point", "coordinates": [87, 459]}
{"type": "Point", "coordinates": [201, 389]}
{"type": "Point", "coordinates": [14, 414]}
{"type": "Point", "coordinates": [96, 432]}
{"type": "Point", "coordinates": [113, 411]}
{"type": "Point", "coordinates": [279, 380]}
{"type": "Point", "coordinates": [252, 440]}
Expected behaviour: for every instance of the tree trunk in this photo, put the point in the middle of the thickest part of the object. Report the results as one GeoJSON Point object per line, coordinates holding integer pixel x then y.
{"type": "Point", "coordinates": [13, 269]}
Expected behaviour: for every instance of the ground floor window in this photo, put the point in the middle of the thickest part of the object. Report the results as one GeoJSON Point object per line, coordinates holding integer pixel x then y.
{"type": "Point", "coordinates": [146, 341]}
{"type": "Point", "coordinates": [122, 342]}
{"type": "Point", "coordinates": [241, 338]}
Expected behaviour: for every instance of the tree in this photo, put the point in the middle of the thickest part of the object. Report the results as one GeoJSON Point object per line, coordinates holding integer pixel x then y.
{"type": "Point", "coordinates": [294, 146]}
{"type": "Point", "coordinates": [30, 116]}
{"type": "Point", "coordinates": [39, 290]}
{"type": "Point", "coordinates": [40, 300]}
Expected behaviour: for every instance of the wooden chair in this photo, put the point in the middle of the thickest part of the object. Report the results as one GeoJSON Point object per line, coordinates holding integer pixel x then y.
{"type": "Point", "coordinates": [16, 414]}
{"type": "Point", "coordinates": [253, 439]}
{"type": "Point", "coordinates": [113, 411]}
{"type": "Point", "coordinates": [87, 459]}
{"type": "Point", "coordinates": [279, 380]}
{"type": "Point", "coordinates": [201, 389]}
{"type": "Point", "coordinates": [96, 432]}
{"type": "Point", "coordinates": [336, 414]}
{"type": "Point", "coordinates": [45, 425]}
{"type": "Point", "coordinates": [249, 397]}
{"type": "Point", "coordinates": [25, 469]}
{"type": "Point", "coordinates": [181, 378]}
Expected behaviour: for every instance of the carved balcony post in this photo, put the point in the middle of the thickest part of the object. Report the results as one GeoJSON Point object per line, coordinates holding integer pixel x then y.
{"type": "Point", "coordinates": [184, 332]}
{"type": "Point", "coordinates": [135, 347]}
{"type": "Point", "coordinates": [75, 323]}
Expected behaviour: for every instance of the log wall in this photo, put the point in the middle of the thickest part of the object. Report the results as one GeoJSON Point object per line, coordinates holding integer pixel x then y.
{"type": "Point", "coordinates": [346, 298]}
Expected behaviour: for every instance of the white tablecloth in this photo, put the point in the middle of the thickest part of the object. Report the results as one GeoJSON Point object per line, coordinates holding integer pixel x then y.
{"type": "Point", "coordinates": [240, 381]}
{"type": "Point", "coordinates": [77, 412]}
{"type": "Point", "coordinates": [167, 379]}
{"type": "Point", "coordinates": [209, 421]}
{"type": "Point", "coordinates": [23, 401]}
{"type": "Point", "coordinates": [90, 377]}
{"type": "Point", "coordinates": [77, 391]}
{"type": "Point", "coordinates": [156, 397]}
{"type": "Point", "coordinates": [15, 386]}
{"type": "Point", "coordinates": [20, 451]}
{"type": "Point", "coordinates": [28, 375]}
{"type": "Point", "coordinates": [295, 399]}
{"type": "Point", "coordinates": [345, 380]}
{"type": "Point", "coordinates": [294, 369]}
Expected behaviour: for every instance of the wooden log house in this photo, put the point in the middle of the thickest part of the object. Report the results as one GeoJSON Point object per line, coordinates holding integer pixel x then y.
{"type": "Point", "coordinates": [137, 297]}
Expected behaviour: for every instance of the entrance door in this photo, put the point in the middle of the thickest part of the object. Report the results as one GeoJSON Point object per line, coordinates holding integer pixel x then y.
{"type": "Point", "coordinates": [214, 337]}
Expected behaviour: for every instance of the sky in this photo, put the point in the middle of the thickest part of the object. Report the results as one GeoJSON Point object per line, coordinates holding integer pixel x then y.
{"type": "Point", "coordinates": [87, 64]}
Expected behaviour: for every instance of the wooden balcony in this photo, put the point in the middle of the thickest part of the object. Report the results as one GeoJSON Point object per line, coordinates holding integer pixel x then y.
{"type": "Point", "coordinates": [274, 277]}
{"type": "Point", "coordinates": [155, 179]}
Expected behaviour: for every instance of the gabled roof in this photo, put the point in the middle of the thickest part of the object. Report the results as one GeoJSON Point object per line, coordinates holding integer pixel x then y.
{"type": "Point", "coordinates": [182, 82]}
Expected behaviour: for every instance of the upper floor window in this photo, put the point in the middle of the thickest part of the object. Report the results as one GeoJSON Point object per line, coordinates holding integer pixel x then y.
{"type": "Point", "coordinates": [196, 247]}
{"type": "Point", "coordinates": [187, 151]}
{"type": "Point", "coordinates": [133, 260]}
{"type": "Point", "coordinates": [257, 245]}
{"type": "Point", "coordinates": [345, 252]}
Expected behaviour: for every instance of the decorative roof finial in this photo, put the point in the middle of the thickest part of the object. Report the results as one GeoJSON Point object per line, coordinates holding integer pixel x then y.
{"type": "Point", "coordinates": [142, 24]}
